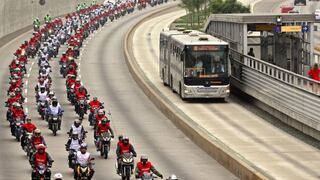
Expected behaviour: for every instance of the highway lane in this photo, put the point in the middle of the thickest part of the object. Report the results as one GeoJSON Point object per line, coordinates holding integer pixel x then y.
{"type": "Point", "coordinates": [252, 134]}
{"type": "Point", "coordinates": [132, 114]}
{"type": "Point", "coordinates": [105, 74]}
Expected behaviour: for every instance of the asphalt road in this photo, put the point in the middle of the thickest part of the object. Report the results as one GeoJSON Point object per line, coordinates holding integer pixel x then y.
{"type": "Point", "coordinates": [105, 74]}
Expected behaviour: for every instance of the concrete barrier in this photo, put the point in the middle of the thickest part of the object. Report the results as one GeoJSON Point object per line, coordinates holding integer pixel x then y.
{"type": "Point", "coordinates": [16, 16]}
{"type": "Point", "coordinates": [231, 160]}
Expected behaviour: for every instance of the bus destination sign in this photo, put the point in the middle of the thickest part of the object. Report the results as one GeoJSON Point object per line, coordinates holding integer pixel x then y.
{"type": "Point", "coordinates": [205, 48]}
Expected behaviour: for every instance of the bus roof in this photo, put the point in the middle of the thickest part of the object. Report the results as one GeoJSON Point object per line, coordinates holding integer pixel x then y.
{"type": "Point", "coordinates": [193, 38]}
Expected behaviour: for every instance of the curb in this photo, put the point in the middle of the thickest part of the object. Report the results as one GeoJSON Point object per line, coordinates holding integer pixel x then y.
{"type": "Point", "coordinates": [231, 160]}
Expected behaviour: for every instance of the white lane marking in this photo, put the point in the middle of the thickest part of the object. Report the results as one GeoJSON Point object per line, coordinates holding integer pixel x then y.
{"type": "Point", "coordinates": [26, 110]}
{"type": "Point", "coordinates": [26, 100]}
{"type": "Point", "coordinates": [30, 68]}
{"type": "Point", "coordinates": [79, 65]}
{"type": "Point", "coordinates": [32, 63]}
{"type": "Point", "coordinates": [79, 76]}
{"type": "Point", "coordinates": [26, 91]}
{"type": "Point", "coordinates": [79, 70]}
{"type": "Point", "coordinates": [28, 75]}
{"type": "Point", "coordinates": [26, 82]}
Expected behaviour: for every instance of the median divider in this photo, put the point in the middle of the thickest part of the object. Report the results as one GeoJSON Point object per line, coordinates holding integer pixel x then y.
{"type": "Point", "coordinates": [227, 157]}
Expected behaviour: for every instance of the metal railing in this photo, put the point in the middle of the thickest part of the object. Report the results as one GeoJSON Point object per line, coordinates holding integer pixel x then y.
{"type": "Point", "coordinates": [295, 80]}
{"type": "Point", "coordinates": [292, 94]}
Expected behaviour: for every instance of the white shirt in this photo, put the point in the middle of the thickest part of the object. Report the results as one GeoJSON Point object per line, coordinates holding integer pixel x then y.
{"type": "Point", "coordinates": [54, 110]}
{"type": "Point", "coordinates": [77, 130]}
{"type": "Point", "coordinates": [75, 144]}
{"type": "Point", "coordinates": [43, 96]}
{"type": "Point", "coordinates": [83, 159]}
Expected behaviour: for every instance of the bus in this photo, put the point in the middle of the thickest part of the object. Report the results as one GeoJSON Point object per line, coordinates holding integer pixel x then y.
{"type": "Point", "coordinates": [194, 64]}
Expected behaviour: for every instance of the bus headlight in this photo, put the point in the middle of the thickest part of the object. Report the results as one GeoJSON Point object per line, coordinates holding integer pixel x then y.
{"type": "Point", "coordinates": [187, 91]}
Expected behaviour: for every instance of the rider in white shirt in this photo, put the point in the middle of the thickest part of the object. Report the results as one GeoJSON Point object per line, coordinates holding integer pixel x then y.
{"type": "Point", "coordinates": [77, 128]}
{"type": "Point", "coordinates": [84, 159]}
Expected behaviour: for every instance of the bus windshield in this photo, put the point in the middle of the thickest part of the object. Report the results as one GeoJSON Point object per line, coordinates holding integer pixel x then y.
{"type": "Point", "coordinates": [208, 61]}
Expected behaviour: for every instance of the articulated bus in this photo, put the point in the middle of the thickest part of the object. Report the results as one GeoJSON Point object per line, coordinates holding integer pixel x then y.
{"type": "Point", "coordinates": [194, 64]}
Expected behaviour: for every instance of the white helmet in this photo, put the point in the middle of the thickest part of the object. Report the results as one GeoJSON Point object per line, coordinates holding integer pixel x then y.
{"type": "Point", "coordinates": [173, 177]}
{"type": "Point", "coordinates": [58, 176]}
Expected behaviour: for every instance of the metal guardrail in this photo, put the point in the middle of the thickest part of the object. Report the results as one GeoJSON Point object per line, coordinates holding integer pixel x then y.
{"type": "Point", "coordinates": [292, 94]}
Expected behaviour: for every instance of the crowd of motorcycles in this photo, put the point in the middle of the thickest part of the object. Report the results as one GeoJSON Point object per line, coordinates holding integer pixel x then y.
{"type": "Point", "coordinates": [44, 46]}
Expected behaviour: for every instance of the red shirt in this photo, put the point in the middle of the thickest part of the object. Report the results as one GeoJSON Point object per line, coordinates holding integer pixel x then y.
{"type": "Point", "coordinates": [18, 113]}
{"type": "Point", "coordinates": [40, 159]}
{"type": "Point", "coordinates": [94, 105]}
{"type": "Point", "coordinates": [103, 128]}
{"type": "Point", "coordinates": [144, 168]}
{"type": "Point", "coordinates": [315, 75]}
{"type": "Point", "coordinates": [81, 94]}
{"type": "Point", "coordinates": [29, 127]}
{"type": "Point", "coordinates": [99, 118]}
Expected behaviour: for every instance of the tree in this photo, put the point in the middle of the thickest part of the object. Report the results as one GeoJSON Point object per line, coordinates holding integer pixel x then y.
{"type": "Point", "coordinates": [228, 6]}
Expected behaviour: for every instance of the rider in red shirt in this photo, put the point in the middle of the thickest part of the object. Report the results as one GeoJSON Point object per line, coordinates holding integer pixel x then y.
{"type": "Point", "coordinates": [103, 127]}
{"type": "Point", "coordinates": [94, 104]}
{"type": "Point", "coordinates": [41, 157]}
{"type": "Point", "coordinates": [37, 139]}
{"type": "Point", "coordinates": [28, 127]}
{"type": "Point", "coordinates": [145, 166]}
{"type": "Point", "coordinates": [81, 93]}
{"type": "Point", "coordinates": [124, 147]}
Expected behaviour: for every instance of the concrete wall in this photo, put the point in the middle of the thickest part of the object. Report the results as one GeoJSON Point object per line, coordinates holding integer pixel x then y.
{"type": "Point", "coordinates": [18, 14]}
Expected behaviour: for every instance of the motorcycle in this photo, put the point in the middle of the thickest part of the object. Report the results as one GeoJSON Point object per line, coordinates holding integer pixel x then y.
{"type": "Point", "coordinates": [63, 69]}
{"type": "Point", "coordinates": [27, 144]}
{"type": "Point", "coordinates": [111, 17]}
{"type": "Point", "coordinates": [82, 107]}
{"type": "Point", "coordinates": [42, 108]}
{"type": "Point", "coordinates": [127, 165]}
{"type": "Point", "coordinates": [72, 158]}
{"type": "Point", "coordinates": [42, 172]}
{"type": "Point", "coordinates": [17, 129]}
{"type": "Point", "coordinates": [93, 114]}
{"type": "Point", "coordinates": [54, 123]}
{"type": "Point", "coordinates": [148, 176]}
{"type": "Point", "coordinates": [104, 144]}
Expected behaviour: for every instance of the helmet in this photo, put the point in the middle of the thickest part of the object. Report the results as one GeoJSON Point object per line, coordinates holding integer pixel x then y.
{"type": "Point", "coordinates": [101, 112]}
{"type": "Point", "coordinates": [28, 119]}
{"type": "Point", "coordinates": [95, 98]}
{"type": "Point", "coordinates": [18, 105]}
{"type": "Point", "coordinates": [77, 121]}
{"type": "Point", "coordinates": [41, 146]}
{"type": "Point", "coordinates": [105, 120]}
{"type": "Point", "coordinates": [17, 90]}
{"type": "Point", "coordinates": [12, 94]}
{"type": "Point", "coordinates": [83, 146]}
{"type": "Point", "coordinates": [125, 140]}
{"type": "Point", "coordinates": [37, 131]}
{"type": "Point", "coordinates": [173, 177]}
{"type": "Point", "coordinates": [51, 93]}
{"type": "Point", "coordinates": [144, 158]}
{"type": "Point", "coordinates": [58, 176]}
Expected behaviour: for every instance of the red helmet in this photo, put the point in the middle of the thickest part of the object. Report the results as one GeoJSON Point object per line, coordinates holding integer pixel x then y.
{"type": "Point", "coordinates": [41, 146]}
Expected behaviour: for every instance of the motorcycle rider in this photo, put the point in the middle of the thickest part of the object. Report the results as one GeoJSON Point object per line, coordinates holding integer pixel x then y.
{"type": "Point", "coordinates": [103, 127]}
{"type": "Point", "coordinates": [37, 139]}
{"type": "Point", "coordinates": [120, 138]}
{"type": "Point", "coordinates": [73, 143]}
{"type": "Point", "coordinates": [55, 109]}
{"type": "Point", "coordinates": [124, 147]}
{"type": "Point", "coordinates": [145, 166]}
{"type": "Point", "coordinates": [58, 176]}
{"type": "Point", "coordinates": [12, 99]}
{"type": "Point", "coordinates": [100, 116]}
{"type": "Point", "coordinates": [84, 159]}
{"type": "Point", "coordinates": [94, 104]}
{"type": "Point", "coordinates": [41, 157]}
{"type": "Point", "coordinates": [17, 113]}
{"type": "Point", "coordinates": [81, 94]}
{"type": "Point", "coordinates": [27, 127]}
{"type": "Point", "coordinates": [78, 128]}
{"type": "Point", "coordinates": [42, 94]}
